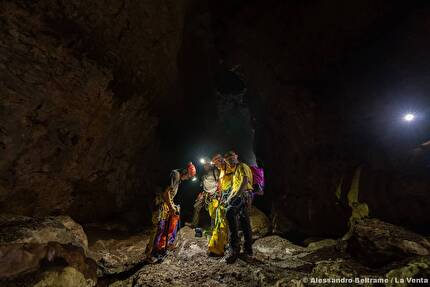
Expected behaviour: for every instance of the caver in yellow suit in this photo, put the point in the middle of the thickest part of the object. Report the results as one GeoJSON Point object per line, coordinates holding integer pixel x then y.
{"type": "Point", "coordinates": [219, 238]}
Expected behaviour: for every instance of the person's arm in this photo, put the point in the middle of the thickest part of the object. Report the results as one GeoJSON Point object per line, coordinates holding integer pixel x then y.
{"type": "Point", "coordinates": [241, 190]}
{"type": "Point", "coordinates": [168, 199]}
{"type": "Point", "coordinates": [167, 195]}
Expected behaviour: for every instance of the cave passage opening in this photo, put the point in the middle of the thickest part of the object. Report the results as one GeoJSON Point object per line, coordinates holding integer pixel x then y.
{"type": "Point", "coordinates": [219, 121]}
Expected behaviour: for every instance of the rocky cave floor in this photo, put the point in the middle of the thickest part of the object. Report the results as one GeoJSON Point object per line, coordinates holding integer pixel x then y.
{"type": "Point", "coordinates": [55, 251]}
{"type": "Point", "coordinates": [277, 261]}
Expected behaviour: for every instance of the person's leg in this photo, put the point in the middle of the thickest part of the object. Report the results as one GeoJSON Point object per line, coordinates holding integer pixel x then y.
{"type": "Point", "coordinates": [231, 216]}
{"type": "Point", "coordinates": [245, 224]}
{"type": "Point", "coordinates": [212, 208]}
{"type": "Point", "coordinates": [153, 234]}
{"type": "Point", "coordinates": [197, 208]}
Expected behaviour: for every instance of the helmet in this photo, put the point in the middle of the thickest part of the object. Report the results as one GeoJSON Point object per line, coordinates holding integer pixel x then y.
{"type": "Point", "coordinates": [191, 169]}
{"type": "Point", "coordinates": [217, 158]}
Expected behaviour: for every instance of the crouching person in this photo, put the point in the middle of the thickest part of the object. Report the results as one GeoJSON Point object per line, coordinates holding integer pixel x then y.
{"type": "Point", "coordinates": [237, 207]}
{"type": "Point", "coordinates": [165, 217]}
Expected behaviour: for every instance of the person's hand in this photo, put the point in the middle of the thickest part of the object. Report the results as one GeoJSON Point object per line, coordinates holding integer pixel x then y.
{"type": "Point", "coordinates": [200, 196]}
{"type": "Point", "coordinates": [172, 211]}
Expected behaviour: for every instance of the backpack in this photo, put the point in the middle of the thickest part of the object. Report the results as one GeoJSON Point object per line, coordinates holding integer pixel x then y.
{"type": "Point", "coordinates": [257, 179]}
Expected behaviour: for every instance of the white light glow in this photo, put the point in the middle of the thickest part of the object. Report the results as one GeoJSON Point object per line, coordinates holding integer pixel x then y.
{"type": "Point", "coordinates": [202, 161]}
{"type": "Point", "coordinates": [409, 117]}
{"type": "Point", "coordinates": [194, 179]}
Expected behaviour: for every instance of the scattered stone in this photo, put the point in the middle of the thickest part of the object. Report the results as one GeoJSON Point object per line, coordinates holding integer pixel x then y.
{"type": "Point", "coordinates": [285, 282]}
{"type": "Point", "coordinates": [417, 268]}
{"type": "Point", "coordinates": [322, 244]}
{"type": "Point", "coordinates": [276, 247]}
{"type": "Point", "coordinates": [75, 228]}
{"type": "Point", "coordinates": [340, 269]}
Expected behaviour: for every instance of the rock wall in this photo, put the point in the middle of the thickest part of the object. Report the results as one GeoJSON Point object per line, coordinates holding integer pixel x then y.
{"type": "Point", "coordinates": [82, 86]}
{"type": "Point", "coordinates": [310, 68]}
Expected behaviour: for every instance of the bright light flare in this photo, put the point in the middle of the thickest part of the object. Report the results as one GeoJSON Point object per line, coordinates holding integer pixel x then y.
{"type": "Point", "coordinates": [409, 117]}
{"type": "Point", "coordinates": [194, 178]}
{"type": "Point", "coordinates": [202, 161]}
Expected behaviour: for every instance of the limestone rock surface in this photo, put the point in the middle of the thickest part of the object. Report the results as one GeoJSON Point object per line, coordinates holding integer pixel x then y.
{"type": "Point", "coordinates": [30, 247]}
{"type": "Point", "coordinates": [376, 243]}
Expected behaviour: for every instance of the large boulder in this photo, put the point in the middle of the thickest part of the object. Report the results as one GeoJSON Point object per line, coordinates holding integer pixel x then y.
{"type": "Point", "coordinates": [276, 247]}
{"type": "Point", "coordinates": [118, 252]}
{"type": "Point", "coordinates": [67, 277]}
{"type": "Point", "coordinates": [260, 223]}
{"type": "Point", "coordinates": [22, 229]}
{"type": "Point", "coordinates": [281, 253]}
{"type": "Point", "coordinates": [34, 248]}
{"type": "Point", "coordinates": [376, 243]}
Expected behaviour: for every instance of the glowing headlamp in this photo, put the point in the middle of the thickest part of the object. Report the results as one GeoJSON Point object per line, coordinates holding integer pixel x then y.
{"type": "Point", "coordinates": [205, 161]}
{"type": "Point", "coordinates": [409, 117]}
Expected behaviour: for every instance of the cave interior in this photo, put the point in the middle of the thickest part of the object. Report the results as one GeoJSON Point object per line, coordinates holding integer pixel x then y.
{"type": "Point", "coordinates": [101, 99]}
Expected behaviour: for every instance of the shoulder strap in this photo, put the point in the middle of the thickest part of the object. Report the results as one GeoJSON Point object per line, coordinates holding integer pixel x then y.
{"type": "Point", "coordinates": [214, 174]}
{"type": "Point", "coordinates": [234, 172]}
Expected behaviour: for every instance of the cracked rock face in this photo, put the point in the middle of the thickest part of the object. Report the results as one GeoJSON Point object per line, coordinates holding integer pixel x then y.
{"type": "Point", "coordinates": [377, 243]}
{"type": "Point", "coordinates": [37, 250]}
{"type": "Point", "coordinates": [80, 88]}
